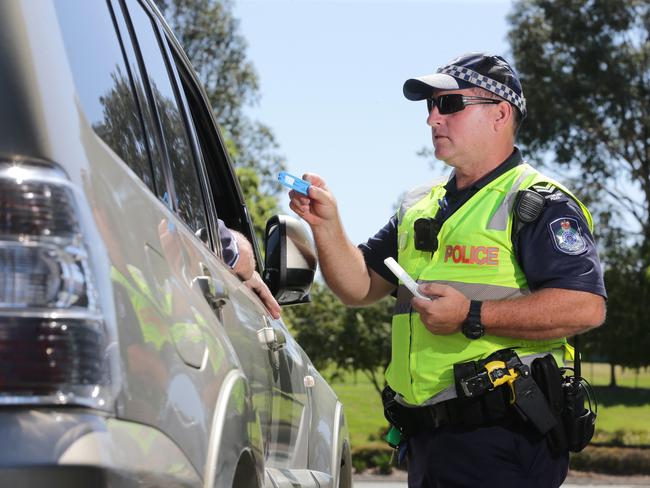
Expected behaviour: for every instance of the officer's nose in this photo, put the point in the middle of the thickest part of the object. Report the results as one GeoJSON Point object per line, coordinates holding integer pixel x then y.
{"type": "Point", "coordinates": [434, 117]}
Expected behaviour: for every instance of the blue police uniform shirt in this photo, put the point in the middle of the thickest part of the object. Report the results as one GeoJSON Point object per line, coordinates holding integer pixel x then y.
{"type": "Point", "coordinates": [555, 251]}
{"type": "Point", "coordinates": [229, 249]}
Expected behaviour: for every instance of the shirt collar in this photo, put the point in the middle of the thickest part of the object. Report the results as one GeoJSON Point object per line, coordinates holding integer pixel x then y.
{"type": "Point", "coordinates": [511, 161]}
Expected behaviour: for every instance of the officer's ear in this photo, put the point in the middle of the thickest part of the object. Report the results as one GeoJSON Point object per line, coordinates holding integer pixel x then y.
{"type": "Point", "coordinates": [503, 116]}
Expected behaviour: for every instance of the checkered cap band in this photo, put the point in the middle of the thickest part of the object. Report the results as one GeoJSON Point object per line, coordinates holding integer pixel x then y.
{"type": "Point", "coordinates": [487, 83]}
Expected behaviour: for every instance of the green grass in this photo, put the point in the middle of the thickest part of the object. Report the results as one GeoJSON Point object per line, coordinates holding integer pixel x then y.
{"type": "Point", "coordinates": [623, 412]}
{"type": "Point", "coordinates": [625, 408]}
{"type": "Point", "coordinates": [598, 375]}
{"type": "Point", "coordinates": [362, 405]}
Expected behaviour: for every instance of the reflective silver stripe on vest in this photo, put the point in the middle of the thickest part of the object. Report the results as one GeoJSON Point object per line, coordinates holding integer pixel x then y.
{"type": "Point", "coordinates": [500, 218]}
{"type": "Point", "coordinates": [473, 291]}
{"type": "Point", "coordinates": [417, 194]}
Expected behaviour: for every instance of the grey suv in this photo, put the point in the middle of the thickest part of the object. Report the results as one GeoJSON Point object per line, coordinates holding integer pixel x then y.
{"type": "Point", "coordinates": [131, 354]}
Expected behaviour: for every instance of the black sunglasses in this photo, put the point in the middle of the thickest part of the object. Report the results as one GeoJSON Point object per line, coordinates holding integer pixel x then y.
{"type": "Point", "coordinates": [455, 102]}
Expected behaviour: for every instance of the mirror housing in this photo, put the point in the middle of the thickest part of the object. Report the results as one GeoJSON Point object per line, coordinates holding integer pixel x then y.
{"type": "Point", "coordinates": [290, 260]}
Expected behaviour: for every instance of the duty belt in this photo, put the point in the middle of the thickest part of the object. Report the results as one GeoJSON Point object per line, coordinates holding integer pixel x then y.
{"type": "Point", "coordinates": [474, 379]}
{"type": "Point", "coordinates": [491, 406]}
{"type": "Point", "coordinates": [482, 397]}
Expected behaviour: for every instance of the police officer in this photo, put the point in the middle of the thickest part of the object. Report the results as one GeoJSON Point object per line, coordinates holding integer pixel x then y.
{"type": "Point", "coordinates": [508, 260]}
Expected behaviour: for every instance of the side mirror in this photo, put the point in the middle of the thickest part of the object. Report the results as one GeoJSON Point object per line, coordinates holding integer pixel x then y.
{"type": "Point", "coordinates": [290, 263]}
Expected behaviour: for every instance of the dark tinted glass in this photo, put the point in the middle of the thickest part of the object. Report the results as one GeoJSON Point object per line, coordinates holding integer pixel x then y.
{"type": "Point", "coordinates": [156, 157]}
{"type": "Point", "coordinates": [455, 102]}
{"type": "Point", "coordinates": [102, 80]}
{"type": "Point", "coordinates": [184, 172]}
{"type": "Point", "coordinates": [447, 104]}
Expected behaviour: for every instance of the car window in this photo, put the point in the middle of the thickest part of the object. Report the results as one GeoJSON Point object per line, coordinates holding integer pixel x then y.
{"type": "Point", "coordinates": [225, 197]}
{"type": "Point", "coordinates": [103, 81]}
{"type": "Point", "coordinates": [188, 197]}
{"type": "Point", "coordinates": [156, 157]}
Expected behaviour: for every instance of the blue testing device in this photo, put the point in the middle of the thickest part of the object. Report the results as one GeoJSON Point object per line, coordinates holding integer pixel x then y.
{"type": "Point", "coordinates": [293, 182]}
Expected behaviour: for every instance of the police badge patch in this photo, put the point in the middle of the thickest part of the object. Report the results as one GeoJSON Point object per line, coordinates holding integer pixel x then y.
{"type": "Point", "coordinates": [567, 236]}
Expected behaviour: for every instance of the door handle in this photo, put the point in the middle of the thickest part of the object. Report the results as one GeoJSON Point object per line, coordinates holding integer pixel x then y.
{"type": "Point", "coordinates": [273, 339]}
{"type": "Point", "coordinates": [213, 291]}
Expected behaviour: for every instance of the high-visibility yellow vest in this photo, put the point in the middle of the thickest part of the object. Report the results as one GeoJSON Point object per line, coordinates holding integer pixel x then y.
{"type": "Point", "coordinates": [475, 255]}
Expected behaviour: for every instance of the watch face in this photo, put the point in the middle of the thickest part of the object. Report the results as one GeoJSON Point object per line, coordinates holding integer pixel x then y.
{"type": "Point", "coordinates": [473, 330]}
{"type": "Point", "coordinates": [472, 327]}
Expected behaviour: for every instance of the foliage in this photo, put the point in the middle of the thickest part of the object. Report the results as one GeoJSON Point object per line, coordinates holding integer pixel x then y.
{"type": "Point", "coordinates": [210, 37]}
{"type": "Point", "coordinates": [612, 460]}
{"type": "Point", "coordinates": [373, 455]}
{"type": "Point", "coordinates": [260, 205]}
{"type": "Point", "coordinates": [383, 462]}
{"type": "Point", "coordinates": [121, 128]}
{"type": "Point", "coordinates": [364, 344]}
{"type": "Point", "coordinates": [595, 459]}
{"type": "Point", "coordinates": [585, 68]}
{"type": "Point", "coordinates": [359, 465]}
{"type": "Point", "coordinates": [622, 438]}
{"type": "Point", "coordinates": [317, 327]}
{"type": "Point", "coordinates": [209, 34]}
{"type": "Point", "coordinates": [624, 338]}
{"type": "Point", "coordinates": [351, 339]}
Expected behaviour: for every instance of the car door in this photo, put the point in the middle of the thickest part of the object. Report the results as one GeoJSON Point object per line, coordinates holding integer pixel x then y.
{"type": "Point", "coordinates": [173, 354]}
{"type": "Point", "coordinates": [194, 244]}
{"type": "Point", "coordinates": [187, 406]}
{"type": "Point", "coordinates": [287, 420]}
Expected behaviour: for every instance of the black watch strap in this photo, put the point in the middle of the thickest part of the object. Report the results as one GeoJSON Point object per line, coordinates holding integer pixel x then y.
{"type": "Point", "coordinates": [472, 327]}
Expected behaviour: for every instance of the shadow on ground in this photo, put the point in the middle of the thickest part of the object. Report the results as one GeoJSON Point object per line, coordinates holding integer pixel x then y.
{"type": "Point", "coordinates": [622, 395]}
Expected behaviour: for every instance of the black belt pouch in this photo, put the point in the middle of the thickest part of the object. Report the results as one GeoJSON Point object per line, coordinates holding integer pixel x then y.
{"type": "Point", "coordinates": [548, 377]}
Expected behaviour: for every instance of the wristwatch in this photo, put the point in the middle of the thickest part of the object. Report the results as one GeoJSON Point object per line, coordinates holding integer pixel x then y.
{"type": "Point", "coordinates": [472, 327]}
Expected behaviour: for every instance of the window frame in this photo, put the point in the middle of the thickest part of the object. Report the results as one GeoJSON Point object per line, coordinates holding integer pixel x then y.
{"type": "Point", "coordinates": [118, 18]}
{"type": "Point", "coordinates": [195, 160]}
{"type": "Point", "coordinates": [219, 177]}
{"type": "Point", "coordinates": [108, 13]}
{"type": "Point", "coordinates": [155, 128]}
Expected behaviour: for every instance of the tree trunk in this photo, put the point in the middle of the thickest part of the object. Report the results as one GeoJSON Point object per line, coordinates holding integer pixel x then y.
{"type": "Point", "coordinates": [612, 375]}
{"type": "Point", "coordinates": [371, 375]}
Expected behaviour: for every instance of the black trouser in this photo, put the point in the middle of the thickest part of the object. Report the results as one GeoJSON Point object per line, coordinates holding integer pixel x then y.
{"type": "Point", "coordinates": [503, 454]}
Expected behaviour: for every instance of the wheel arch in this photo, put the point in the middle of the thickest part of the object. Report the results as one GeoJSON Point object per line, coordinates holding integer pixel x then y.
{"type": "Point", "coordinates": [236, 434]}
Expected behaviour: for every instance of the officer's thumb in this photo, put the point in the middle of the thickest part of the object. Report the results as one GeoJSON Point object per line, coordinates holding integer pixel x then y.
{"type": "Point", "coordinates": [314, 179]}
{"type": "Point", "coordinates": [319, 194]}
{"type": "Point", "coordinates": [433, 290]}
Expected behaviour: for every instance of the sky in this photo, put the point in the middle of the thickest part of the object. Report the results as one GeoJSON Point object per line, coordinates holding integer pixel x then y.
{"type": "Point", "coordinates": [331, 76]}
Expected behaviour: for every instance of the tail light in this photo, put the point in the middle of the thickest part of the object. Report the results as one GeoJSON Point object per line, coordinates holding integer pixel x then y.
{"type": "Point", "coordinates": [53, 339]}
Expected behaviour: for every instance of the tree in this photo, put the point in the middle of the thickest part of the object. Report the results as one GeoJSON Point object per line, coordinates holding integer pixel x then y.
{"type": "Point", "coordinates": [121, 127]}
{"type": "Point", "coordinates": [210, 36]}
{"type": "Point", "coordinates": [317, 327]}
{"type": "Point", "coordinates": [624, 338]}
{"type": "Point", "coordinates": [585, 68]}
{"type": "Point", "coordinates": [261, 206]}
{"type": "Point", "coordinates": [364, 344]}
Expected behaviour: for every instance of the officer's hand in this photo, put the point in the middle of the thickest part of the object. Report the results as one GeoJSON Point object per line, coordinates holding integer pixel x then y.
{"type": "Point", "coordinates": [319, 207]}
{"type": "Point", "coordinates": [447, 310]}
{"type": "Point", "coordinates": [256, 284]}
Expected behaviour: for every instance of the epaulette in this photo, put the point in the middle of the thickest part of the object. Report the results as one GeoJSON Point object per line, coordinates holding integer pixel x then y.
{"type": "Point", "coordinates": [550, 192]}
